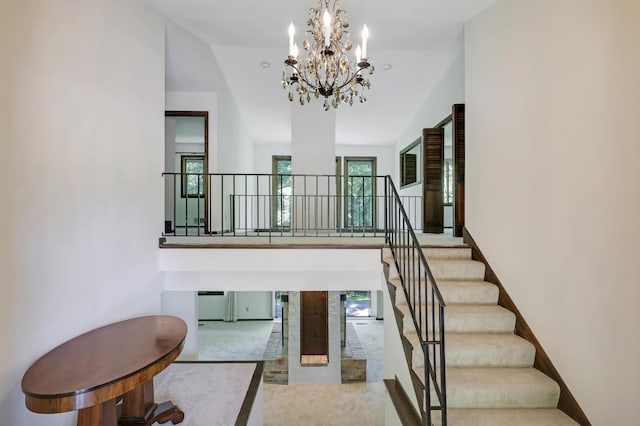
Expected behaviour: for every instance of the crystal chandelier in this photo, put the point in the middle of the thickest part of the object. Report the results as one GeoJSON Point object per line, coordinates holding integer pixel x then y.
{"type": "Point", "coordinates": [327, 71]}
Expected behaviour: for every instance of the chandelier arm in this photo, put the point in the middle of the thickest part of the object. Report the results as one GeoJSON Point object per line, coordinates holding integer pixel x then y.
{"type": "Point", "coordinates": [302, 75]}
{"type": "Point", "coordinates": [351, 77]}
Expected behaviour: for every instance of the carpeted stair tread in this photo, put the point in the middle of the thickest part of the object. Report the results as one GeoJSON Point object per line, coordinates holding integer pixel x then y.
{"type": "Point", "coordinates": [446, 269]}
{"type": "Point", "coordinates": [467, 318]}
{"type": "Point", "coordinates": [480, 350]}
{"type": "Point", "coordinates": [506, 417]}
{"type": "Point", "coordinates": [498, 388]}
{"type": "Point", "coordinates": [450, 253]}
{"type": "Point", "coordinates": [457, 269]}
{"type": "Point", "coordinates": [459, 252]}
{"type": "Point", "coordinates": [459, 292]}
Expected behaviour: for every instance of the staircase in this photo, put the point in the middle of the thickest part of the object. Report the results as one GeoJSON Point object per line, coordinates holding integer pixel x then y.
{"type": "Point", "coordinates": [490, 375]}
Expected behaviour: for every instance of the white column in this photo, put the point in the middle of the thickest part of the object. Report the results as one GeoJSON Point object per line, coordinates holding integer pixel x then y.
{"type": "Point", "coordinates": [313, 151]}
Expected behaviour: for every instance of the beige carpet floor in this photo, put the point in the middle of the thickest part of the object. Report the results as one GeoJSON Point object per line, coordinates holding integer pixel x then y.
{"type": "Point", "coordinates": [208, 394]}
{"type": "Point", "coordinates": [305, 405]}
{"type": "Point", "coordinates": [233, 341]}
{"type": "Point", "coordinates": [358, 404]}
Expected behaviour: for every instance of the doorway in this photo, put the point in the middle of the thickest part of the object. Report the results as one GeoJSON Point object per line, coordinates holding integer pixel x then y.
{"type": "Point", "coordinates": [314, 327]}
{"type": "Point", "coordinates": [186, 172]}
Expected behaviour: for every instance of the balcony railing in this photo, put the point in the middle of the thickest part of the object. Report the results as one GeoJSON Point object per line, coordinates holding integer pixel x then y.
{"type": "Point", "coordinates": [224, 204]}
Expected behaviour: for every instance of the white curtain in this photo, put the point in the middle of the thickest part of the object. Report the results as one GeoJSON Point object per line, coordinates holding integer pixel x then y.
{"type": "Point", "coordinates": [231, 313]}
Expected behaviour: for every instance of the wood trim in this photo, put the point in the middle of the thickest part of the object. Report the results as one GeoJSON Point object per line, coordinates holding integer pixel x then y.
{"type": "Point", "coordinates": [205, 114]}
{"type": "Point", "coordinates": [458, 168]}
{"type": "Point", "coordinates": [252, 391]}
{"type": "Point", "coordinates": [445, 121]}
{"type": "Point", "coordinates": [567, 402]}
{"type": "Point", "coordinates": [250, 397]}
{"type": "Point", "coordinates": [404, 408]}
{"type": "Point", "coordinates": [372, 246]}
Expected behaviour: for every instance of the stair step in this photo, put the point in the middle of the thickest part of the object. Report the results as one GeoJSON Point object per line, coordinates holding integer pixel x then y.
{"type": "Point", "coordinates": [461, 270]}
{"type": "Point", "coordinates": [459, 292]}
{"type": "Point", "coordinates": [468, 270]}
{"type": "Point", "coordinates": [460, 252]}
{"type": "Point", "coordinates": [450, 253]}
{"type": "Point", "coordinates": [505, 417]}
{"type": "Point", "coordinates": [498, 388]}
{"type": "Point", "coordinates": [480, 350]}
{"type": "Point", "coordinates": [467, 318]}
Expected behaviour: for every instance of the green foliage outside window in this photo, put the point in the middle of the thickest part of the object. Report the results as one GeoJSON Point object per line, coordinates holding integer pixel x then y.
{"type": "Point", "coordinates": [192, 174]}
{"type": "Point", "coordinates": [360, 186]}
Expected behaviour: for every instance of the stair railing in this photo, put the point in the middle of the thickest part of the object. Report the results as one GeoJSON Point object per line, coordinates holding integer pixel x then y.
{"type": "Point", "coordinates": [424, 300]}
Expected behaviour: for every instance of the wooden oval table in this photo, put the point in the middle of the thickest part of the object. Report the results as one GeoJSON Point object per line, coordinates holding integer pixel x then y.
{"type": "Point", "coordinates": [92, 372]}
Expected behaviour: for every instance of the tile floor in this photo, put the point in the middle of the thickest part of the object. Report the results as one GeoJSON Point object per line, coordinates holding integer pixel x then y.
{"type": "Point", "coordinates": [308, 405]}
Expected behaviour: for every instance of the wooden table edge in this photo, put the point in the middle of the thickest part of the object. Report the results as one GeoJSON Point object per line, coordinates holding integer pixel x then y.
{"type": "Point", "coordinates": [51, 404]}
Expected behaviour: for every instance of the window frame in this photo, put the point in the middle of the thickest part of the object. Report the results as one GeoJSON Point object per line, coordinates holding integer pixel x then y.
{"type": "Point", "coordinates": [418, 176]}
{"type": "Point", "coordinates": [185, 179]}
{"type": "Point", "coordinates": [347, 195]}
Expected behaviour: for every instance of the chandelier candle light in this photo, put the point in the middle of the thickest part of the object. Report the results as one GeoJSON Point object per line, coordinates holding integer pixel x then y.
{"type": "Point", "coordinates": [327, 70]}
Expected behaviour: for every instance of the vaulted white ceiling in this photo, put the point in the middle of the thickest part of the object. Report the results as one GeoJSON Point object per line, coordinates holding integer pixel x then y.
{"type": "Point", "coordinates": [418, 38]}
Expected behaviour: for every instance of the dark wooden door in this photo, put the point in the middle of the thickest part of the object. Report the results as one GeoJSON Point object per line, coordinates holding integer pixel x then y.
{"type": "Point", "coordinates": [314, 330]}
{"type": "Point", "coordinates": [433, 148]}
{"type": "Point", "coordinates": [458, 169]}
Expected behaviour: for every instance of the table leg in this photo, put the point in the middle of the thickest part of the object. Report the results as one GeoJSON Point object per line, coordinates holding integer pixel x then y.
{"type": "Point", "coordinates": [138, 408]}
{"type": "Point", "coordinates": [99, 415]}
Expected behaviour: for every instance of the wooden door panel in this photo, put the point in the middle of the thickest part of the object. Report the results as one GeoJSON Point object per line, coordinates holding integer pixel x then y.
{"type": "Point", "coordinates": [314, 330]}
{"type": "Point", "coordinates": [433, 148]}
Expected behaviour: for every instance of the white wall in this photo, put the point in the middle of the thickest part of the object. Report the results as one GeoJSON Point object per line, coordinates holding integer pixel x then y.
{"type": "Point", "coordinates": [82, 129]}
{"type": "Point", "coordinates": [250, 305]}
{"type": "Point", "coordinates": [254, 305]}
{"type": "Point", "coordinates": [449, 90]}
{"type": "Point", "coordinates": [314, 269]}
{"type": "Point", "coordinates": [195, 82]}
{"type": "Point", "coordinates": [553, 193]}
{"type": "Point", "coordinates": [199, 85]}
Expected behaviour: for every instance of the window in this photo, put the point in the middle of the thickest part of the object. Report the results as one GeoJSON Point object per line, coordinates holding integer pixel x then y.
{"type": "Point", "coordinates": [410, 162]}
{"type": "Point", "coordinates": [360, 188]}
{"type": "Point", "coordinates": [192, 173]}
{"type": "Point", "coordinates": [447, 189]}
{"type": "Point", "coordinates": [282, 190]}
